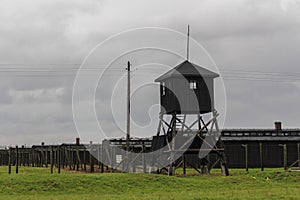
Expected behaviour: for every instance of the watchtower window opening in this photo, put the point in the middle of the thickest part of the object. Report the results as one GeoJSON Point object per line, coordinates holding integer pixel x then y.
{"type": "Point", "coordinates": [163, 84]}
{"type": "Point", "coordinates": [193, 85]}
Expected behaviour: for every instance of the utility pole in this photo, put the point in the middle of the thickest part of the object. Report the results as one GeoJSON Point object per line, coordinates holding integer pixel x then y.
{"type": "Point", "coordinates": [127, 161]}
{"type": "Point", "coordinates": [128, 107]}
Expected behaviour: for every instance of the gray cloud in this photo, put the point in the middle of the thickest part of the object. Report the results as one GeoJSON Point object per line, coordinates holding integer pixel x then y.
{"type": "Point", "coordinates": [56, 35]}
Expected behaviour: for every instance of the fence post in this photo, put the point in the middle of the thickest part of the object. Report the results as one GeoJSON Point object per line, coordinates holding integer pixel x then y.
{"type": "Point", "coordinates": [51, 160]}
{"type": "Point", "coordinates": [261, 156]}
{"type": "Point", "coordinates": [32, 157]}
{"type": "Point", "coordinates": [102, 159]}
{"type": "Point", "coordinates": [69, 157]}
{"type": "Point", "coordinates": [98, 157]}
{"type": "Point", "coordinates": [84, 159]}
{"type": "Point", "coordinates": [17, 159]}
{"type": "Point", "coordinates": [22, 155]}
{"type": "Point", "coordinates": [77, 157]}
{"type": "Point", "coordinates": [284, 156]}
{"type": "Point", "coordinates": [9, 160]}
{"type": "Point", "coordinates": [298, 147]}
{"type": "Point", "coordinates": [246, 156]}
{"type": "Point", "coordinates": [58, 159]}
{"type": "Point", "coordinates": [2, 159]}
{"type": "Point", "coordinates": [91, 158]}
{"type": "Point", "coordinates": [45, 156]}
{"type": "Point", "coordinates": [184, 164]}
{"type": "Point", "coordinates": [63, 156]}
{"type": "Point", "coordinates": [143, 158]}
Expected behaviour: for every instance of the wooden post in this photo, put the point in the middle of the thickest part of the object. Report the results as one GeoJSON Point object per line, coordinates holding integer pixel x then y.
{"type": "Point", "coordinates": [91, 159]}
{"type": "Point", "coordinates": [29, 158]}
{"type": "Point", "coordinates": [113, 159]}
{"type": "Point", "coordinates": [261, 156]}
{"type": "Point", "coordinates": [63, 156]}
{"type": "Point", "coordinates": [51, 160]}
{"type": "Point", "coordinates": [108, 160]}
{"type": "Point", "coordinates": [143, 158]}
{"type": "Point", "coordinates": [133, 166]}
{"type": "Point", "coordinates": [284, 156]}
{"type": "Point", "coordinates": [32, 157]}
{"type": "Point", "coordinates": [102, 159]}
{"type": "Point", "coordinates": [5, 153]}
{"type": "Point", "coordinates": [98, 156]}
{"type": "Point", "coordinates": [70, 157]}
{"type": "Point", "coordinates": [199, 121]}
{"type": "Point", "coordinates": [17, 159]}
{"type": "Point", "coordinates": [204, 166]}
{"type": "Point", "coordinates": [38, 157]}
{"type": "Point", "coordinates": [171, 170]}
{"type": "Point", "coordinates": [84, 159]}
{"type": "Point", "coordinates": [67, 157]}
{"type": "Point", "coordinates": [6, 157]}
{"type": "Point", "coordinates": [22, 156]}
{"type": "Point", "coordinates": [246, 156]}
{"type": "Point", "coordinates": [208, 164]}
{"type": "Point", "coordinates": [55, 157]}
{"type": "Point", "coordinates": [2, 158]}
{"type": "Point", "coordinates": [9, 160]}
{"type": "Point", "coordinates": [77, 158]}
{"type": "Point", "coordinates": [45, 157]}
{"type": "Point", "coordinates": [298, 147]}
{"type": "Point", "coordinates": [184, 164]}
{"type": "Point", "coordinates": [124, 163]}
{"type": "Point", "coordinates": [58, 159]}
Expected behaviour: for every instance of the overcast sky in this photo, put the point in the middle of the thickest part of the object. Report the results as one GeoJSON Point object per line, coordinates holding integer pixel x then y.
{"type": "Point", "coordinates": [254, 43]}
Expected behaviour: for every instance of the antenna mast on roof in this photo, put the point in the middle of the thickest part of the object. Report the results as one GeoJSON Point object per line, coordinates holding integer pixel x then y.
{"type": "Point", "coordinates": [188, 43]}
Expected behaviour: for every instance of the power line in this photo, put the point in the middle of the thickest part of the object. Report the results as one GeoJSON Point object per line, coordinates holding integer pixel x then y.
{"type": "Point", "coordinates": [97, 67]}
{"type": "Point", "coordinates": [23, 70]}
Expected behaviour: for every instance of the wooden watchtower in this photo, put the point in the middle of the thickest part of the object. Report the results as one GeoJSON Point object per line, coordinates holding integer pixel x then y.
{"type": "Point", "coordinates": [187, 91]}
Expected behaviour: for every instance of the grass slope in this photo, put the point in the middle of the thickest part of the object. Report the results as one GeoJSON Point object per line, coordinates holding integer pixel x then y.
{"type": "Point", "coordinates": [38, 183]}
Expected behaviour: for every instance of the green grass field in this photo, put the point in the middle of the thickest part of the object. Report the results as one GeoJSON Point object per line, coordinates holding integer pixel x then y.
{"type": "Point", "coordinates": [38, 183]}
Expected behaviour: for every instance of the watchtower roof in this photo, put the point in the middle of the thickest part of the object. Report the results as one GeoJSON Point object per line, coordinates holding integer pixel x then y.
{"type": "Point", "coordinates": [187, 68]}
